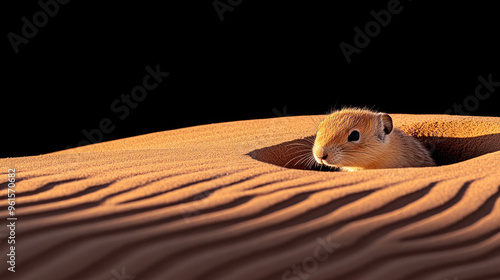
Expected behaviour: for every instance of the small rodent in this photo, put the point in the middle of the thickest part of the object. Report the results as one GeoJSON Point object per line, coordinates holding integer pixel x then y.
{"type": "Point", "coordinates": [355, 139]}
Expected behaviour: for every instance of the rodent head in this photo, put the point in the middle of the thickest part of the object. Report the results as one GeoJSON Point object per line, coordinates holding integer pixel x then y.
{"type": "Point", "coordinates": [352, 138]}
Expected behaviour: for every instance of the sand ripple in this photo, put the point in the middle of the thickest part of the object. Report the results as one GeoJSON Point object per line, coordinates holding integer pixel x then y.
{"type": "Point", "coordinates": [215, 202]}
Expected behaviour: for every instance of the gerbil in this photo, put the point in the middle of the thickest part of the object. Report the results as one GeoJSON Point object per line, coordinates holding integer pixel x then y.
{"type": "Point", "coordinates": [356, 139]}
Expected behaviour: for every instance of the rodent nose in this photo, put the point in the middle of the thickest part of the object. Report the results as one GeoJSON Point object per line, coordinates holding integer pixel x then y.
{"type": "Point", "coordinates": [320, 154]}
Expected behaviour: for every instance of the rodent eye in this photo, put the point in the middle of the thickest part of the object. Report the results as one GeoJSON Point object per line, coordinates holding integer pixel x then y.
{"type": "Point", "coordinates": [354, 136]}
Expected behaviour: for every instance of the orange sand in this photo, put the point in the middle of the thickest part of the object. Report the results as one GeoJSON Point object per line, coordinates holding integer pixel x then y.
{"type": "Point", "coordinates": [215, 202]}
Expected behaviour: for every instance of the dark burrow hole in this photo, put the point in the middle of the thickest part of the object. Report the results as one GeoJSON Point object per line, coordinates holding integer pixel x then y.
{"type": "Point", "coordinates": [444, 151]}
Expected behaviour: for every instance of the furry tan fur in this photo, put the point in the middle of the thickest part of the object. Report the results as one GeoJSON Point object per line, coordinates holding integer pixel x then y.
{"type": "Point", "coordinates": [379, 145]}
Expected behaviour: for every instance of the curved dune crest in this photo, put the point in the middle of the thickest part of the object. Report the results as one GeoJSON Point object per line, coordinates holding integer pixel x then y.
{"type": "Point", "coordinates": [236, 201]}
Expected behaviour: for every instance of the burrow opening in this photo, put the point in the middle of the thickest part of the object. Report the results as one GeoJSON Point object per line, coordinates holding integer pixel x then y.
{"type": "Point", "coordinates": [444, 150]}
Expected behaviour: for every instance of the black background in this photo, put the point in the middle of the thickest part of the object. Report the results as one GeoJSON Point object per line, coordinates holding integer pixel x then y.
{"type": "Point", "coordinates": [265, 59]}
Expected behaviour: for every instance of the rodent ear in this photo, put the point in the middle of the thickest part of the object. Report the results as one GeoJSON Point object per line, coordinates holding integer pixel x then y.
{"type": "Point", "coordinates": [386, 122]}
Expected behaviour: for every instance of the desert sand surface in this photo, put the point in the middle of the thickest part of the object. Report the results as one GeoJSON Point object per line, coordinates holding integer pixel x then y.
{"type": "Point", "coordinates": [217, 202]}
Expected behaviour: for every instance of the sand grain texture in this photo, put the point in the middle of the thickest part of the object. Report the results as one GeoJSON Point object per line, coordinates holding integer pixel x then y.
{"type": "Point", "coordinates": [215, 202]}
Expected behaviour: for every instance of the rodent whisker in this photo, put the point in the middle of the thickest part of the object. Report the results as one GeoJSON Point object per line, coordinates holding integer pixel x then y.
{"type": "Point", "coordinates": [315, 123]}
{"type": "Point", "coordinates": [305, 158]}
{"type": "Point", "coordinates": [309, 140]}
{"type": "Point", "coordinates": [301, 152]}
{"type": "Point", "coordinates": [311, 162]}
{"type": "Point", "coordinates": [299, 149]}
{"type": "Point", "coordinates": [355, 152]}
{"type": "Point", "coordinates": [299, 157]}
{"type": "Point", "coordinates": [304, 148]}
{"type": "Point", "coordinates": [301, 145]}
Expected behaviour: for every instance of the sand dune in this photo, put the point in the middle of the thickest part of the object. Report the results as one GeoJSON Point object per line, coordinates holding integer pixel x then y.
{"type": "Point", "coordinates": [216, 202]}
